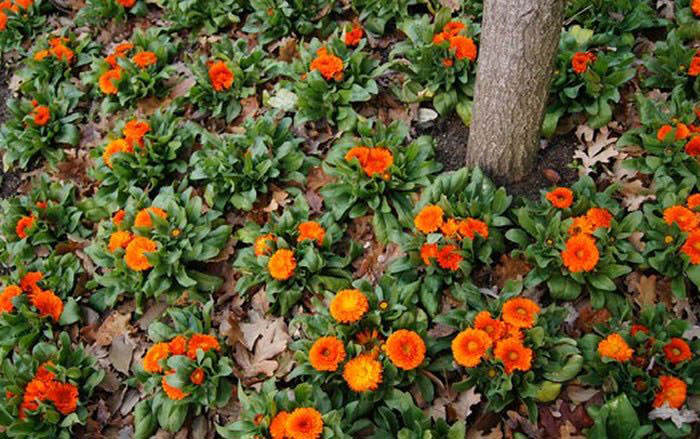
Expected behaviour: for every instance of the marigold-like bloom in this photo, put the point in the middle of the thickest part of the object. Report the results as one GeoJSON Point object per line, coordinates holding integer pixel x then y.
{"type": "Point", "coordinates": [580, 61]}
{"type": "Point", "coordinates": [107, 81]}
{"type": "Point", "coordinates": [122, 49]}
{"type": "Point", "coordinates": [41, 55]}
{"type": "Point", "coordinates": [261, 247]}
{"type": "Point", "coordinates": [118, 217]}
{"type": "Point", "coordinates": [143, 218]}
{"type": "Point", "coordinates": [144, 59]}
{"type": "Point", "coordinates": [311, 230]}
{"type": "Point", "coordinates": [685, 218]}
{"type": "Point", "coordinates": [25, 223]}
{"type": "Point", "coordinates": [127, 3]}
{"type": "Point", "coordinates": [496, 329]}
{"type": "Point", "coordinates": [694, 69]}
{"type": "Point", "coordinates": [42, 115]}
{"type": "Point", "coordinates": [178, 345]}
{"type": "Point", "coordinates": [3, 20]}
{"type": "Point", "coordinates": [157, 352]}
{"type": "Point", "coordinates": [599, 217]}
{"type": "Point", "coordinates": [448, 258]}
{"type": "Point", "coordinates": [9, 293]}
{"type": "Point", "coordinates": [581, 254]}
{"type": "Point", "coordinates": [361, 153]}
{"type": "Point", "coordinates": [429, 219]}
{"type": "Point", "coordinates": [560, 197]}
{"type": "Point", "coordinates": [278, 426]}
{"type": "Point", "coordinates": [119, 239]}
{"type": "Point", "coordinates": [406, 349]}
{"type": "Point", "coordinates": [453, 28]}
{"type": "Point", "coordinates": [24, 4]}
{"type": "Point", "coordinates": [363, 373]}
{"type": "Point", "coordinates": [221, 76]}
{"type": "Point", "coordinates": [450, 228]}
{"type": "Point", "coordinates": [447, 62]}
{"type": "Point", "coordinates": [64, 397]}
{"type": "Point", "coordinates": [520, 312]}
{"type": "Point", "coordinates": [692, 247]}
{"type": "Point", "coordinates": [677, 350]}
{"type": "Point", "coordinates": [47, 303]}
{"type": "Point", "coordinates": [693, 201]}
{"type": "Point", "coordinates": [282, 264]}
{"type": "Point", "coordinates": [513, 354]}
{"type": "Point", "coordinates": [197, 376]}
{"type": "Point", "coordinates": [695, 7]}
{"type": "Point", "coordinates": [464, 47]}
{"type": "Point", "coordinates": [135, 256]}
{"type": "Point", "coordinates": [580, 225]}
{"type": "Point", "coordinates": [328, 65]}
{"type": "Point", "coordinates": [135, 130]}
{"type": "Point", "coordinates": [173, 392]}
{"type": "Point", "coordinates": [663, 132]}
{"type": "Point", "coordinates": [30, 281]}
{"type": "Point", "coordinates": [372, 160]}
{"type": "Point", "coordinates": [205, 342]}
{"type": "Point", "coordinates": [348, 306]}
{"type": "Point", "coordinates": [638, 328]}
{"type": "Point", "coordinates": [615, 347]}
{"type": "Point", "coordinates": [304, 423]}
{"type": "Point", "coordinates": [469, 347]}
{"type": "Point", "coordinates": [428, 252]}
{"type": "Point", "coordinates": [672, 392]}
{"type": "Point", "coordinates": [469, 227]}
{"type": "Point", "coordinates": [326, 353]}
{"type": "Point", "coordinates": [44, 374]}
{"type": "Point", "coordinates": [62, 53]}
{"type": "Point", "coordinates": [114, 147]}
{"type": "Point", "coordinates": [692, 148]}
{"type": "Point", "coordinates": [354, 37]}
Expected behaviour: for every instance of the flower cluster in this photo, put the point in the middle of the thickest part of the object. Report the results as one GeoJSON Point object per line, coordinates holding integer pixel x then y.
{"type": "Point", "coordinates": [581, 60]}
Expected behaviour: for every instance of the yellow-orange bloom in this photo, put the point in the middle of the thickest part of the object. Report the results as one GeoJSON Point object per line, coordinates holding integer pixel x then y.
{"type": "Point", "coordinates": [693, 201]}
{"type": "Point", "coordinates": [429, 219]}
{"type": "Point", "coordinates": [673, 392]}
{"type": "Point", "coordinates": [581, 254]}
{"type": "Point", "coordinates": [691, 247]}
{"type": "Point", "coordinates": [118, 217]}
{"type": "Point", "coordinates": [463, 47]}
{"type": "Point", "coordinates": [119, 239]}
{"type": "Point", "coordinates": [178, 345]}
{"type": "Point", "coordinates": [326, 354]}
{"type": "Point", "coordinates": [580, 226]}
{"type": "Point", "coordinates": [469, 347]}
{"type": "Point", "coordinates": [520, 312]}
{"type": "Point", "coordinates": [144, 59]}
{"type": "Point", "coordinates": [363, 373]}
{"type": "Point", "coordinates": [428, 252]}
{"type": "Point", "coordinates": [42, 115]}
{"type": "Point", "coordinates": [311, 230]}
{"type": "Point", "coordinates": [197, 376]}
{"type": "Point", "coordinates": [328, 65]}
{"type": "Point", "coordinates": [64, 396]}
{"type": "Point", "coordinates": [205, 342]}
{"type": "Point", "coordinates": [135, 256]}
{"type": "Point", "coordinates": [470, 227]}
{"type": "Point", "coordinates": [282, 264]}
{"type": "Point", "coordinates": [450, 227]}
{"type": "Point", "coordinates": [560, 197]}
{"type": "Point", "coordinates": [353, 37]}
{"type": "Point", "coordinates": [406, 349]}
{"type": "Point", "coordinates": [157, 352]}
{"type": "Point", "coordinates": [29, 281]}
{"type": "Point", "coordinates": [448, 258]}
{"type": "Point", "coordinates": [47, 303]}
{"type": "Point", "coordinates": [373, 161]}
{"type": "Point", "coordinates": [113, 147]}
{"type": "Point", "coordinates": [496, 329]}
{"type": "Point", "coordinates": [261, 246]}
{"type": "Point", "coordinates": [599, 217]}
{"type": "Point", "coordinates": [221, 76]}
{"type": "Point", "coordinates": [24, 223]}
{"type": "Point", "coordinates": [348, 306]}
{"type": "Point", "coordinates": [513, 354]}
{"type": "Point", "coordinates": [677, 351]}
{"type": "Point", "coordinates": [173, 392]}
{"type": "Point", "coordinates": [278, 426]}
{"type": "Point", "coordinates": [615, 347]}
{"type": "Point", "coordinates": [135, 130]}
{"type": "Point", "coordinates": [304, 423]}
{"type": "Point", "coordinates": [6, 297]}
{"type": "Point", "coordinates": [143, 218]}
{"type": "Point", "coordinates": [682, 216]}
{"type": "Point", "coordinates": [107, 81]}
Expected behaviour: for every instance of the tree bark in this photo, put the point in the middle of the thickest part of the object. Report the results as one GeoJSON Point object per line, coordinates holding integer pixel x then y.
{"type": "Point", "coordinates": [519, 40]}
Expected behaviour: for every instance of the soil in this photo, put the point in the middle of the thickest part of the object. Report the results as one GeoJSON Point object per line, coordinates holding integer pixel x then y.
{"type": "Point", "coordinates": [10, 181]}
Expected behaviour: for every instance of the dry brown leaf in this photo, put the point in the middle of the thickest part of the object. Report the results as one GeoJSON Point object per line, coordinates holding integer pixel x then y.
{"type": "Point", "coordinates": [455, 406]}
{"type": "Point", "coordinates": [494, 433]}
{"type": "Point", "coordinates": [115, 324]}
{"type": "Point", "coordinates": [643, 287]}
{"type": "Point", "coordinates": [510, 268]}
{"type": "Point", "coordinates": [279, 199]}
{"type": "Point", "coordinates": [594, 150]}
{"type": "Point", "coordinates": [259, 341]}
{"type": "Point", "coordinates": [634, 194]}
{"type": "Point", "coordinates": [568, 431]}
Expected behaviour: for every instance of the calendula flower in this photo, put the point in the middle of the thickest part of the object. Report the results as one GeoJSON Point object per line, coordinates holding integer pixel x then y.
{"type": "Point", "coordinates": [127, 3]}
{"type": "Point", "coordinates": [496, 329]}
{"type": "Point", "coordinates": [135, 130]}
{"type": "Point", "coordinates": [278, 426]}
{"type": "Point", "coordinates": [429, 219]}
{"type": "Point", "coordinates": [135, 256]}
{"type": "Point", "coordinates": [143, 218]}
{"type": "Point", "coordinates": [580, 225]}
{"type": "Point", "coordinates": [581, 254]}
{"type": "Point", "coordinates": [463, 47]}
{"type": "Point", "coordinates": [23, 225]}
{"type": "Point", "coordinates": [363, 373]}
{"type": "Point", "coordinates": [469, 347]}
{"type": "Point", "coordinates": [638, 328]}
{"type": "Point", "coordinates": [205, 342]}
{"type": "Point", "coordinates": [406, 349]}
{"type": "Point", "coordinates": [328, 65]}
{"type": "Point", "coordinates": [450, 228]}
{"type": "Point", "coordinates": [42, 115]}
{"type": "Point", "coordinates": [374, 161]}
{"type": "Point", "coordinates": [672, 392]}
{"type": "Point", "coordinates": [119, 239]}
{"type": "Point", "coordinates": [114, 147]}
{"type": "Point", "coordinates": [3, 20]}
{"type": "Point", "coordinates": [428, 252]}
{"type": "Point", "coordinates": [354, 37]}
{"type": "Point", "coordinates": [684, 218]}
{"type": "Point", "coordinates": [693, 201]}
{"type": "Point", "coordinates": [520, 312]}
{"type": "Point", "coordinates": [221, 76]}
{"type": "Point", "coordinates": [580, 61]}
{"type": "Point", "coordinates": [694, 69]}
{"type": "Point", "coordinates": [311, 230]}
{"type": "Point", "coordinates": [348, 306]}
{"type": "Point", "coordinates": [513, 354]}
{"type": "Point", "coordinates": [62, 53]}
{"type": "Point", "coordinates": [447, 62]}
{"type": "Point", "coordinates": [197, 376]}
{"type": "Point", "coordinates": [695, 7]}
{"type": "Point", "coordinates": [261, 246]}
{"type": "Point", "coordinates": [560, 197]}
{"type": "Point", "coordinates": [108, 81]}
{"type": "Point", "coordinates": [448, 258]}
{"type": "Point", "coordinates": [40, 55]}
{"type": "Point", "coordinates": [453, 28]}
{"type": "Point", "coordinates": [615, 347]}
{"type": "Point", "coordinates": [47, 303]}
{"type": "Point", "coordinates": [173, 392]}
{"type": "Point", "coordinates": [304, 423]}
{"type": "Point", "coordinates": [470, 227]}
{"type": "Point", "coordinates": [44, 374]}
{"type": "Point", "coordinates": [154, 356]}
{"type": "Point", "coordinates": [692, 148]}
{"type": "Point", "coordinates": [178, 345]}
{"type": "Point", "coordinates": [144, 59]}
{"type": "Point", "coordinates": [30, 281]}
{"type": "Point", "coordinates": [599, 217]}
{"type": "Point", "coordinates": [326, 354]}
{"type": "Point", "coordinates": [118, 217]}
{"type": "Point", "coordinates": [282, 264]}
{"type": "Point", "coordinates": [6, 297]}
{"type": "Point", "coordinates": [677, 351]}
{"type": "Point", "coordinates": [64, 397]}
{"type": "Point", "coordinates": [692, 247]}
{"type": "Point", "coordinates": [122, 49]}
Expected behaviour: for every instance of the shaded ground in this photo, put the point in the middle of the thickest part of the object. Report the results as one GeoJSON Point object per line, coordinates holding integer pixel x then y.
{"type": "Point", "coordinates": [9, 182]}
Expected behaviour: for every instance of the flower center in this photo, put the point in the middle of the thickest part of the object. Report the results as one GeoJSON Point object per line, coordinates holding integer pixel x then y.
{"type": "Point", "coordinates": [676, 351]}
{"type": "Point", "coordinates": [522, 311]}
{"type": "Point", "coordinates": [512, 355]}
{"type": "Point", "coordinates": [472, 345]}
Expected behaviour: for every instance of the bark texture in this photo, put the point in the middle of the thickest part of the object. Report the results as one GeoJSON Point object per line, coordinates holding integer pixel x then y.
{"type": "Point", "coordinates": [519, 39]}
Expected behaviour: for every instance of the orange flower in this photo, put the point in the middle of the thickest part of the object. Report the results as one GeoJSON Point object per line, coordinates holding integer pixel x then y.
{"type": "Point", "coordinates": [694, 69]}
{"type": "Point", "coordinates": [29, 281]}
{"type": "Point", "coordinates": [682, 216]}
{"type": "Point", "coordinates": [278, 426]}
{"type": "Point", "coordinates": [560, 197]}
{"type": "Point", "coordinates": [513, 354]}
{"type": "Point", "coordinates": [353, 37]}
{"type": "Point", "coordinates": [173, 392]}
{"type": "Point", "coordinates": [520, 312]}
{"type": "Point", "coordinates": [361, 153]}
{"type": "Point", "coordinates": [677, 350]}
{"type": "Point", "coordinates": [638, 328]}
{"type": "Point", "coordinates": [599, 217]}
{"type": "Point", "coordinates": [24, 4]}
{"type": "Point", "coordinates": [428, 251]}
{"type": "Point", "coordinates": [205, 342]}
{"type": "Point", "coordinates": [329, 66]}
{"type": "Point", "coordinates": [494, 328]}
{"type": "Point", "coordinates": [3, 20]}
{"type": "Point", "coordinates": [127, 3]}
{"type": "Point", "coordinates": [260, 247]}
{"type": "Point", "coordinates": [448, 258]}
{"type": "Point", "coordinates": [178, 345]}
{"type": "Point", "coordinates": [135, 257]}
{"type": "Point", "coordinates": [311, 230]}
{"type": "Point", "coordinates": [580, 225]}
{"type": "Point", "coordinates": [581, 254]}
{"type": "Point", "coordinates": [9, 293]}
{"type": "Point", "coordinates": [363, 373]}
{"type": "Point", "coordinates": [64, 397]}
{"type": "Point", "coordinates": [615, 347]}
{"type": "Point", "coordinates": [464, 47]}
{"type": "Point", "coordinates": [122, 49]}
{"type": "Point", "coordinates": [47, 303]}
{"type": "Point", "coordinates": [40, 55]}
{"type": "Point", "coordinates": [468, 227]}
{"type": "Point", "coordinates": [25, 223]}
{"type": "Point", "coordinates": [440, 38]}
{"type": "Point", "coordinates": [197, 376]}
{"type": "Point", "coordinates": [135, 130]}
{"type": "Point", "coordinates": [450, 227]}
{"type": "Point", "coordinates": [282, 264]}
{"type": "Point", "coordinates": [143, 218]}
{"type": "Point", "coordinates": [119, 240]}
{"type": "Point", "coordinates": [692, 148]}
{"type": "Point", "coordinates": [221, 76]}
{"type": "Point", "coordinates": [157, 352]}
{"type": "Point", "coordinates": [372, 160]}
{"type": "Point", "coordinates": [44, 374]}
{"type": "Point", "coordinates": [42, 115]}
{"type": "Point", "coordinates": [695, 7]}
{"type": "Point", "coordinates": [144, 59]}
{"type": "Point", "coordinates": [107, 81]}
{"type": "Point", "coordinates": [348, 306]}
{"type": "Point", "coordinates": [580, 61]}
{"type": "Point", "coordinates": [367, 336]}
{"type": "Point", "coordinates": [429, 219]}
{"type": "Point", "coordinates": [118, 217]}
{"type": "Point", "coordinates": [447, 62]}
{"type": "Point", "coordinates": [114, 147]}
{"type": "Point", "coordinates": [692, 247]}
{"type": "Point", "coordinates": [453, 28]}
{"type": "Point", "coordinates": [672, 392]}
{"type": "Point", "coordinates": [663, 132]}
{"type": "Point", "coordinates": [693, 201]}
{"type": "Point", "coordinates": [469, 346]}
{"type": "Point", "coordinates": [406, 349]}
{"type": "Point", "coordinates": [326, 353]}
{"type": "Point", "coordinates": [62, 53]}
{"type": "Point", "coordinates": [304, 423]}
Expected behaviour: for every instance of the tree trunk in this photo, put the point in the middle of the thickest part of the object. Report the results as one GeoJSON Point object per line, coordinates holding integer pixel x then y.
{"type": "Point", "coordinates": [519, 40]}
